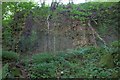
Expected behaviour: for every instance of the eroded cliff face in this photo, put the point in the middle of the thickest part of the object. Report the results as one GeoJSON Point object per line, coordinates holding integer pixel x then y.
{"type": "Point", "coordinates": [57, 32]}
{"type": "Point", "coordinates": [63, 34]}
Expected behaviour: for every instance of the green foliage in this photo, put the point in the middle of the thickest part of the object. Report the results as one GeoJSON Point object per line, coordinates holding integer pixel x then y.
{"type": "Point", "coordinates": [16, 72]}
{"type": "Point", "coordinates": [29, 42]}
{"type": "Point", "coordinates": [78, 63]}
{"type": "Point", "coordinates": [9, 55]}
{"type": "Point", "coordinates": [14, 14]}
{"type": "Point", "coordinates": [88, 49]}
{"type": "Point", "coordinates": [115, 50]}
{"type": "Point", "coordinates": [116, 44]}
{"type": "Point", "coordinates": [5, 71]}
{"type": "Point", "coordinates": [42, 70]}
{"type": "Point", "coordinates": [87, 62]}
{"type": "Point", "coordinates": [42, 57]}
{"type": "Point", "coordinates": [89, 10]}
{"type": "Point", "coordinates": [25, 60]}
{"type": "Point", "coordinates": [44, 11]}
{"type": "Point", "coordinates": [78, 53]}
{"type": "Point", "coordinates": [107, 61]}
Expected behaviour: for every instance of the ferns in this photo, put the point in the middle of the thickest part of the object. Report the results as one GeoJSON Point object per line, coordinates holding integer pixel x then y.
{"type": "Point", "coordinates": [83, 63]}
{"type": "Point", "coordinates": [42, 57]}
{"type": "Point", "coordinates": [87, 62]}
{"type": "Point", "coordinates": [9, 55]}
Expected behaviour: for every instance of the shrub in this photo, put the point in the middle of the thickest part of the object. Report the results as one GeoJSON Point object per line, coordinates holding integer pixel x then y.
{"type": "Point", "coordinates": [46, 65]}
{"type": "Point", "coordinates": [107, 60]}
{"type": "Point", "coordinates": [96, 63]}
{"type": "Point", "coordinates": [42, 70]}
{"type": "Point", "coordinates": [15, 72]}
{"type": "Point", "coordinates": [86, 50]}
{"type": "Point", "coordinates": [25, 61]}
{"type": "Point", "coordinates": [115, 47]}
{"type": "Point", "coordinates": [9, 55]}
{"type": "Point", "coordinates": [115, 44]}
{"type": "Point", "coordinates": [64, 55]}
{"type": "Point", "coordinates": [42, 57]}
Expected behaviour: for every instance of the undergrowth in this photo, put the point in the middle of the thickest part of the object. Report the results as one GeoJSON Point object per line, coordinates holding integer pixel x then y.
{"type": "Point", "coordinates": [86, 62]}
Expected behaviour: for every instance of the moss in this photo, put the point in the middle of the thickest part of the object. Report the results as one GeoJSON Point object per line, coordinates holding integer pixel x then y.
{"type": "Point", "coordinates": [107, 61]}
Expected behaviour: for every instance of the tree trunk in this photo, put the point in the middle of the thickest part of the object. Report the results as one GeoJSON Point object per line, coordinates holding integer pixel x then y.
{"type": "Point", "coordinates": [48, 33]}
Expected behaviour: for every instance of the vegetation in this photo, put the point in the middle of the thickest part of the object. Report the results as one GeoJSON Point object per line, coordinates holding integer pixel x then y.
{"type": "Point", "coordinates": [60, 41]}
{"type": "Point", "coordinates": [9, 55]}
{"type": "Point", "coordinates": [93, 63]}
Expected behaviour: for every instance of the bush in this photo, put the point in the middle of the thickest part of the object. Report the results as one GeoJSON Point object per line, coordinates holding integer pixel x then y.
{"type": "Point", "coordinates": [25, 61]}
{"type": "Point", "coordinates": [42, 70]}
{"type": "Point", "coordinates": [42, 57]}
{"type": "Point", "coordinates": [116, 44]}
{"type": "Point", "coordinates": [115, 47]}
{"type": "Point", "coordinates": [9, 55]}
{"type": "Point", "coordinates": [64, 55]}
{"type": "Point", "coordinates": [95, 64]}
{"type": "Point", "coordinates": [45, 65]}
{"type": "Point", "coordinates": [107, 61]}
{"type": "Point", "coordinates": [86, 50]}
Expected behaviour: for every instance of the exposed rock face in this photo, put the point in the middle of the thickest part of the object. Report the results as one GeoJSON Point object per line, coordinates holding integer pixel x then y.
{"type": "Point", "coordinates": [63, 33]}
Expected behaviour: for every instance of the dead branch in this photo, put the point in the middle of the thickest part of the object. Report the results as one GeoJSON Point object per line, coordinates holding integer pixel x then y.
{"type": "Point", "coordinates": [95, 33]}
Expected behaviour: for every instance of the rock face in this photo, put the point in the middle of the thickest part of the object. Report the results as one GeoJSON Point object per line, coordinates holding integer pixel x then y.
{"type": "Point", "coordinates": [63, 33]}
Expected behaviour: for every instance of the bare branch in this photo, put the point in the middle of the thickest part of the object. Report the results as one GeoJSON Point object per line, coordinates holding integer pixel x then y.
{"type": "Point", "coordinates": [96, 33]}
